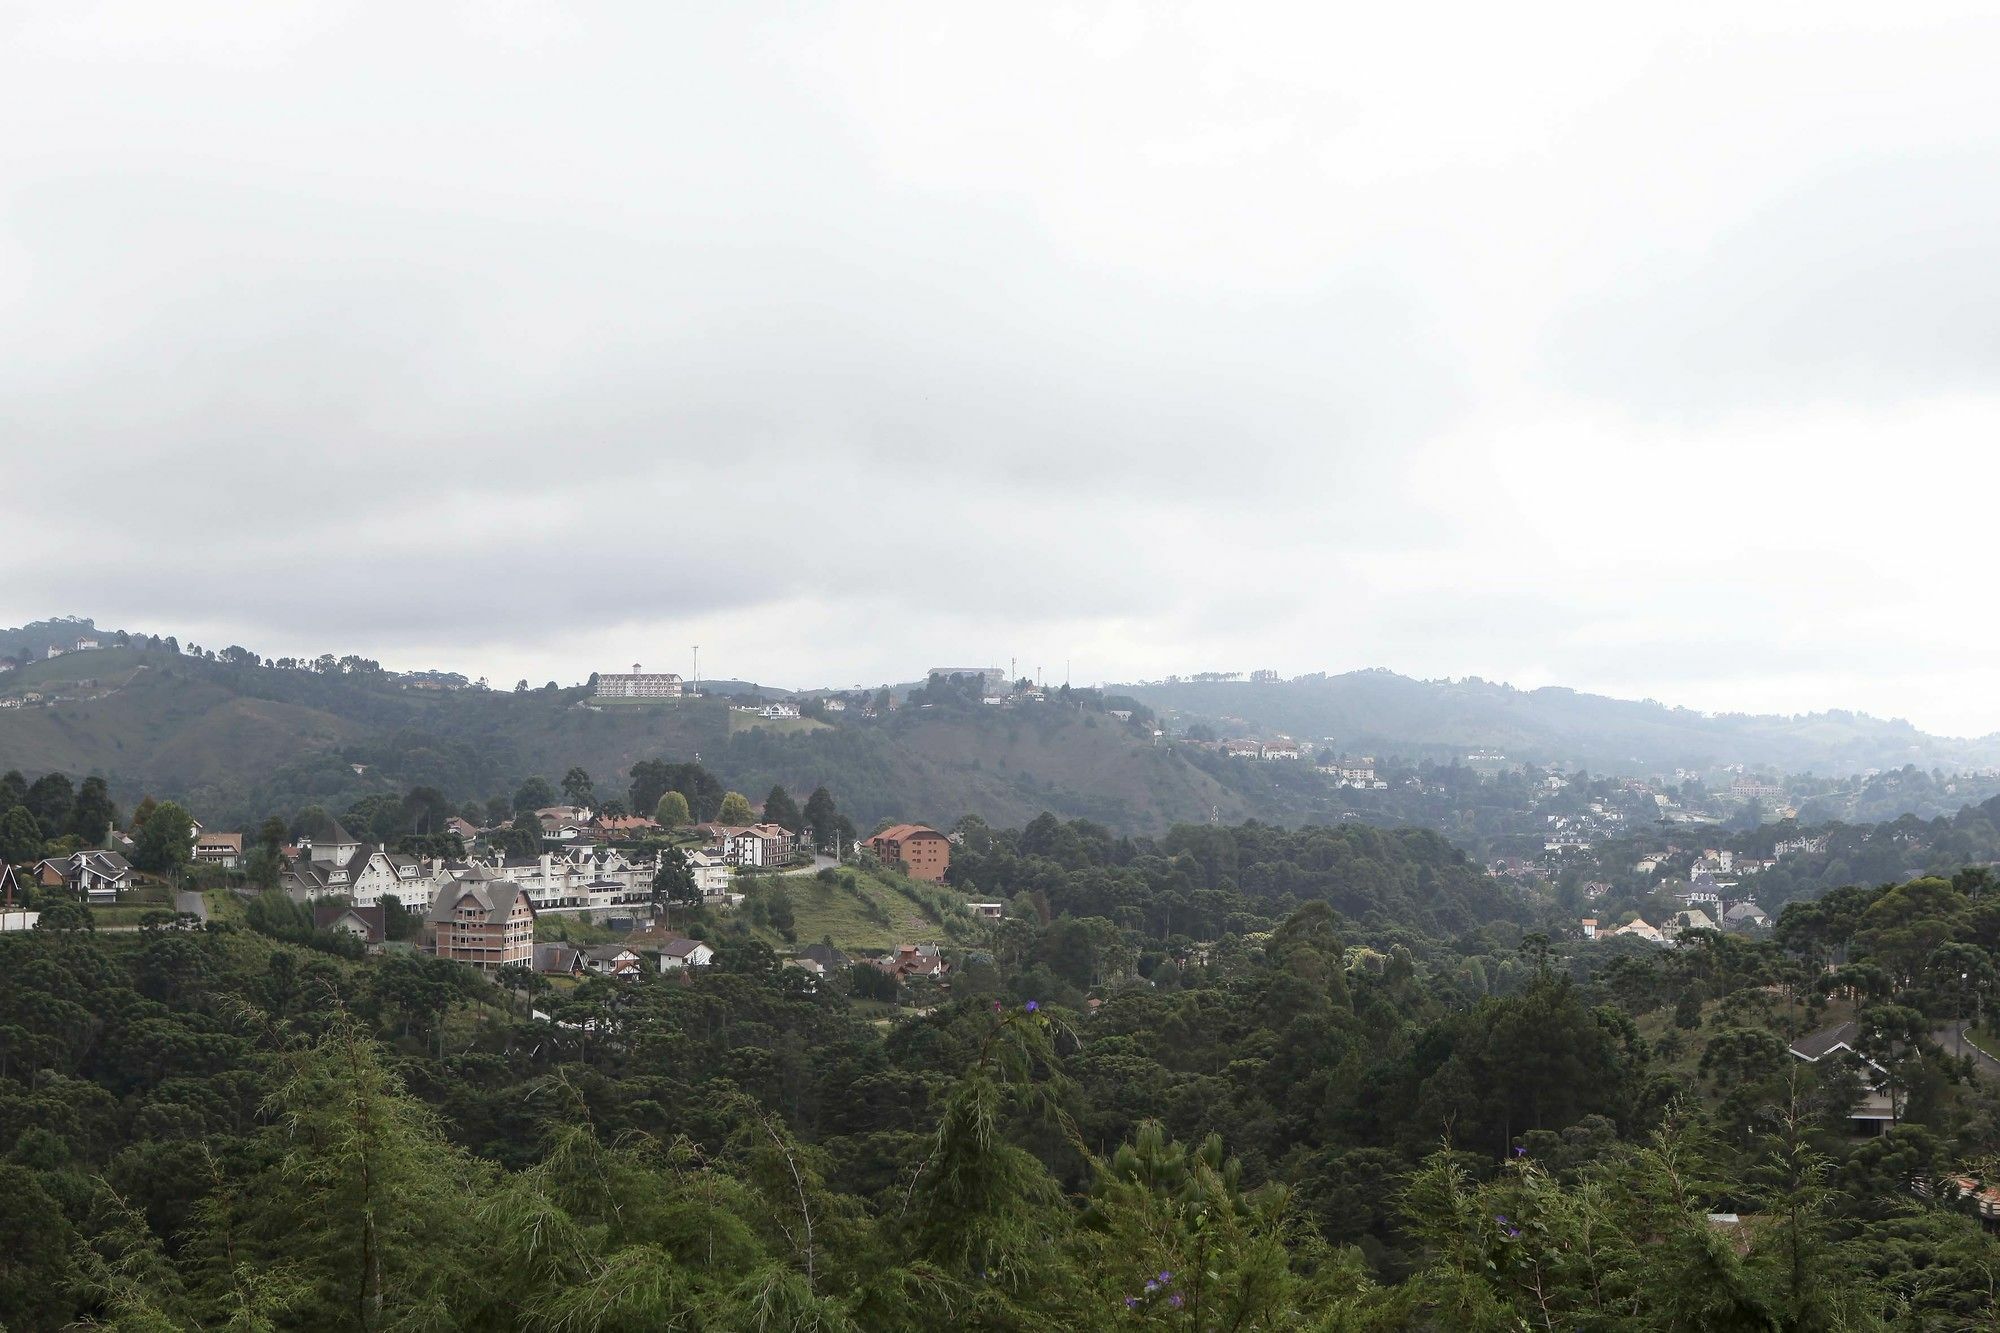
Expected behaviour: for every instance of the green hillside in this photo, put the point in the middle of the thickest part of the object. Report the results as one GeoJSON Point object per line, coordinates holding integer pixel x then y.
{"type": "Point", "coordinates": [241, 741]}
{"type": "Point", "coordinates": [866, 912]}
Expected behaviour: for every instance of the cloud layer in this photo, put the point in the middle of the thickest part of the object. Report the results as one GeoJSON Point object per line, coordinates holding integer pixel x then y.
{"type": "Point", "coordinates": [1647, 354]}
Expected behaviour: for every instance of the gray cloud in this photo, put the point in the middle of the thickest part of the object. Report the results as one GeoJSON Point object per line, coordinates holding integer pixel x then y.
{"type": "Point", "coordinates": [1152, 338]}
{"type": "Point", "coordinates": [1876, 280]}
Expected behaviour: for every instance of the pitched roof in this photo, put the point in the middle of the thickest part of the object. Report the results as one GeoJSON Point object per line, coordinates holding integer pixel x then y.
{"type": "Point", "coordinates": [233, 841]}
{"type": "Point", "coordinates": [1826, 1041]}
{"type": "Point", "coordinates": [495, 897]}
{"type": "Point", "coordinates": [555, 958]}
{"type": "Point", "coordinates": [328, 830]}
{"type": "Point", "coordinates": [683, 948]}
{"type": "Point", "coordinates": [326, 915]}
{"type": "Point", "coordinates": [904, 832]}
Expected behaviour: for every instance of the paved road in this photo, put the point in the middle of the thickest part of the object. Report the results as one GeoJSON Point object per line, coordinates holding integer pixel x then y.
{"type": "Point", "coordinates": [819, 863]}
{"type": "Point", "coordinates": [189, 900]}
{"type": "Point", "coordinates": [1947, 1039]}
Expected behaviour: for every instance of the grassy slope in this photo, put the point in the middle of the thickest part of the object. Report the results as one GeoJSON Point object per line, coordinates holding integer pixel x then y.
{"type": "Point", "coordinates": [822, 911]}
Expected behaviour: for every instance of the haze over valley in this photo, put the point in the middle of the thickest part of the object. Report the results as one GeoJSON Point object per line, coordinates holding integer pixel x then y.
{"type": "Point", "coordinates": [876, 668]}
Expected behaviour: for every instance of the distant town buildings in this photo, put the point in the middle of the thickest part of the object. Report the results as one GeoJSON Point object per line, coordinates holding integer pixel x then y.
{"type": "Point", "coordinates": [994, 678]}
{"type": "Point", "coordinates": [1358, 773]}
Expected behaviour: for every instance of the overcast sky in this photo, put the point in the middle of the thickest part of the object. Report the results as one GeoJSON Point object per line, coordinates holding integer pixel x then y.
{"type": "Point", "coordinates": [1652, 350]}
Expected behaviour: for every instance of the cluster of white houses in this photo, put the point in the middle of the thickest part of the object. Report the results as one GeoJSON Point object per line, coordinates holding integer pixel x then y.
{"type": "Point", "coordinates": [481, 908]}
{"type": "Point", "coordinates": [576, 874]}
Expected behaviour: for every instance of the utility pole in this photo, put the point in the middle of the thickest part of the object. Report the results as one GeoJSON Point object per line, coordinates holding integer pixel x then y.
{"type": "Point", "coordinates": [697, 670]}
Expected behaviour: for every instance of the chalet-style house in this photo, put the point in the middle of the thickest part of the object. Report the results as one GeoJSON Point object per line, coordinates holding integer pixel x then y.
{"type": "Point", "coordinates": [1746, 915]}
{"type": "Point", "coordinates": [919, 850]}
{"type": "Point", "coordinates": [558, 960]}
{"type": "Point", "coordinates": [487, 923]}
{"type": "Point", "coordinates": [757, 847]}
{"type": "Point", "coordinates": [820, 960]}
{"type": "Point", "coordinates": [341, 864]}
{"type": "Point", "coordinates": [1877, 1108]}
{"type": "Point", "coordinates": [677, 955]}
{"type": "Point", "coordinates": [94, 877]}
{"type": "Point", "coordinates": [612, 960]}
{"type": "Point", "coordinates": [218, 849]}
{"type": "Point", "coordinates": [915, 960]}
{"type": "Point", "coordinates": [366, 924]}
{"type": "Point", "coordinates": [827, 956]}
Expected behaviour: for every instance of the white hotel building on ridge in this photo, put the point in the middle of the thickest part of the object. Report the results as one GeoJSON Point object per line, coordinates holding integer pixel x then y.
{"type": "Point", "coordinates": [639, 685]}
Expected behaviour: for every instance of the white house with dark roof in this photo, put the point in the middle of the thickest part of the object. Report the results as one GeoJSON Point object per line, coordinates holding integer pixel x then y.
{"type": "Point", "coordinates": [95, 877]}
{"type": "Point", "coordinates": [678, 955]}
{"type": "Point", "coordinates": [1877, 1108]}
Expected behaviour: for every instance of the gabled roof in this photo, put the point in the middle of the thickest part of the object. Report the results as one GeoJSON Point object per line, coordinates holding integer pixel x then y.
{"type": "Point", "coordinates": [328, 830]}
{"type": "Point", "coordinates": [683, 948]}
{"type": "Point", "coordinates": [1819, 1045]}
{"type": "Point", "coordinates": [327, 915]}
{"type": "Point", "coordinates": [496, 898]}
{"type": "Point", "coordinates": [556, 958]}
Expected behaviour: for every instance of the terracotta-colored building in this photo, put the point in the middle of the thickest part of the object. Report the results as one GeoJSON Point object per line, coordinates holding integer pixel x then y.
{"type": "Point", "coordinates": [922, 852]}
{"type": "Point", "coordinates": [488, 923]}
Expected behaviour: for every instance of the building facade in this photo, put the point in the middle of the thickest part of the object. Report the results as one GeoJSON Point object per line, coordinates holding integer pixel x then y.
{"type": "Point", "coordinates": [922, 852]}
{"type": "Point", "coordinates": [637, 684]}
{"type": "Point", "coordinates": [484, 923]}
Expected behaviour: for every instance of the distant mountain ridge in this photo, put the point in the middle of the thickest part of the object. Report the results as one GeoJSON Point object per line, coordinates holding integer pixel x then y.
{"type": "Point", "coordinates": [1381, 712]}
{"type": "Point", "coordinates": [239, 741]}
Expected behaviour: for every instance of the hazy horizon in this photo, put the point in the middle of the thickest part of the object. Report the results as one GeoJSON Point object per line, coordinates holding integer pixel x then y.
{"type": "Point", "coordinates": [1638, 353]}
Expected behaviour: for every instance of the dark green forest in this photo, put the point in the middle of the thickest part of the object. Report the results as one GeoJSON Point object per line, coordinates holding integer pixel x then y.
{"type": "Point", "coordinates": [1235, 1078]}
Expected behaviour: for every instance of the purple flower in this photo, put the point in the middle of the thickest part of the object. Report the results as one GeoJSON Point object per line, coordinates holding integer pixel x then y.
{"type": "Point", "coordinates": [1131, 1302]}
{"type": "Point", "coordinates": [1501, 1218]}
{"type": "Point", "coordinates": [1175, 1300]}
{"type": "Point", "coordinates": [1520, 1152]}
{"type": "Point", "coordinates": [1032, 1006]}
{"type": "Point", "coordinates": [1166, 1278]}
{"type": "Point", "coordinates": [1513, 1232]}
{"type": "Point", "coordinates": [1152, 1287]}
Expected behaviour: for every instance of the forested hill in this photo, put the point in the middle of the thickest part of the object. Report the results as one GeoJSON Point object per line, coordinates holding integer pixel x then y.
{"type": "Point", "coordinates": [1379, 712]}
{"type": "Point", "coordinates": [236, 741]}
{"type": "Point", "coordinates": [1201, 881]}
